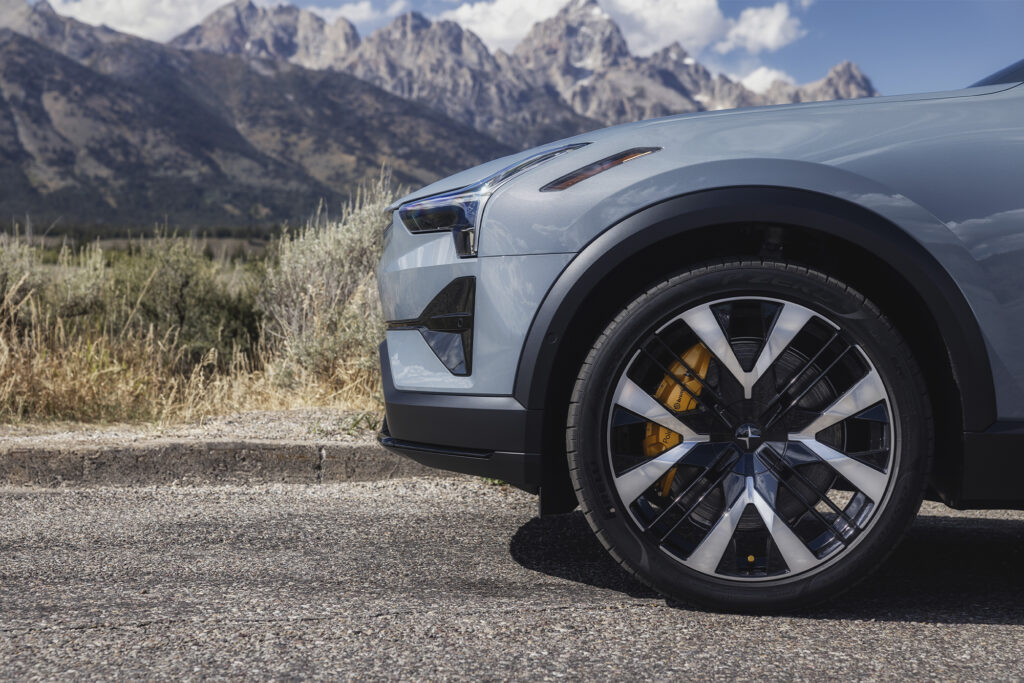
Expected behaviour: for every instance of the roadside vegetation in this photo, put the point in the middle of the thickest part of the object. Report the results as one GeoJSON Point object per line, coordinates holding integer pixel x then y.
{"type": "Point", "coordinates": [164, 330]}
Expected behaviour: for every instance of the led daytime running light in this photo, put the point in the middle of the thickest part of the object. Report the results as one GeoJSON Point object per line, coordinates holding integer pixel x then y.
{"type": "Point", "coordinates": [459, 211]}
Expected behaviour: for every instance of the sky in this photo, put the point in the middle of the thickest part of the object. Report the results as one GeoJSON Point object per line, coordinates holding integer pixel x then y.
{"type": "Point", "coordinates": [902, 45]}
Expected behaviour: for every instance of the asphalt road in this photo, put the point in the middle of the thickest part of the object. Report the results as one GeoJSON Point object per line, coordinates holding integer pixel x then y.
{"type": "Point", "coordinates": [430, 578]}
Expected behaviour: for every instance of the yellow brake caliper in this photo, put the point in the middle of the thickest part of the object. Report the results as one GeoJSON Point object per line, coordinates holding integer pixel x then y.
{"type": "Point", "coordinates": [658, 439]}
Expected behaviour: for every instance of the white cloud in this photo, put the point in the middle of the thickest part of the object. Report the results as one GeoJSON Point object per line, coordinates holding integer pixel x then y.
{"type": "Point", "coordinates": [649, 26]}
{"type": "Point", "coordinates": [164, 19]}
{"type": "Point", "coordinates": [762, 78]}
{"type": "Point", "coordinates": [646, 25]}
{"type": "Point", "coordinates": [501, 23]}
{"type": "Point", "coordinates": [353, 11]}
{"type": "Point", "coordinates": [154, 19]}
{"type": "Point", "coordinates": [361, 12]}
{"type": "Point", "coordinates": [762, 28]}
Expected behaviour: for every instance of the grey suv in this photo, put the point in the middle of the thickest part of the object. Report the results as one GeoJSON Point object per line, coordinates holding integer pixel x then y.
{"type": "Point", "coordinates": [745, 343]}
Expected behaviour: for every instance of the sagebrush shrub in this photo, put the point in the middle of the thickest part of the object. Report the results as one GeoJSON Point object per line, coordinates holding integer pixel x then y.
{"type": "Point", "coordinates": [171, 285]}
{"type": "Point", "coordinates": [319, 298]}
{"type": "Point", "coordinates": [165, 331]}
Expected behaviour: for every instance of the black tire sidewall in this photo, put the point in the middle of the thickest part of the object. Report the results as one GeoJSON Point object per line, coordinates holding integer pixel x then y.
{"type": "Point", "coordinates": [862, 321]}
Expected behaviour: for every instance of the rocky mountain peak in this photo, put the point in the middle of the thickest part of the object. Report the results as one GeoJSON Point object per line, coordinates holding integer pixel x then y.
{"type": "Point", "coordinates": [44, 7]}
{"type": "Point", "coordinates": [282, 32]}
{"type": "Point", "coordinates": [577, 8]}
{"type": "Point", "coordinates": [844, 81]}
{"type": "Point", "coordinates": [673, 54]}
{"type": "Point", "coordinates": [847, 77]}
{"type": "Point", "coordinates": [412, 41]}
{"type": "Point", "coordinates": [449, 68]}
{"type": "Point", "coordinates": [418, 31]}
{"type": "Point", "coordinates": [846, 68]}
{"type": "Point", "coordinates": [572, 72]}
{"type": "Point", "coordinates": [77, 40]}
{"type": "Point", "coordinates": [581, 38]}
{"type": "Point", "coordinates": [675, 59]}
{"type": "Point", "coordinates": [412, 23]}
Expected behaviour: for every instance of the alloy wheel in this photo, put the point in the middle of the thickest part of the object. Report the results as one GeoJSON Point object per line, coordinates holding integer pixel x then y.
{"type": "Point", "coordinates": [751, 439]}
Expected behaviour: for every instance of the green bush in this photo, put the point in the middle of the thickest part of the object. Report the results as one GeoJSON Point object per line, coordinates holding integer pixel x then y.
{"type": "Point", "coordinates": [172, 286]}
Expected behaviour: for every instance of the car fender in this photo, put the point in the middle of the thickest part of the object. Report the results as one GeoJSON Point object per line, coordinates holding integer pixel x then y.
{"type": "Point", "coordinates": [884, 223]}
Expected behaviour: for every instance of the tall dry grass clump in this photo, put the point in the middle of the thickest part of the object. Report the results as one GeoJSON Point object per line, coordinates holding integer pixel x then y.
{"type": "Point", "coordinates": [163, 332]}
{"type": "Point", "coordinates": [322, 313]}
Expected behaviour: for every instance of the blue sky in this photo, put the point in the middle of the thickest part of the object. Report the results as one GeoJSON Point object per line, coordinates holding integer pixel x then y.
{"type": "Point", "coordinates": [902, 45]}
{"type": "Point", "coordinates": [907, 45]}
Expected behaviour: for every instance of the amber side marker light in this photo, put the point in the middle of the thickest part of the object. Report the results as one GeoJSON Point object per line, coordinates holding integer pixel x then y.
{"type": "Point", "coordinates": [591, 170]}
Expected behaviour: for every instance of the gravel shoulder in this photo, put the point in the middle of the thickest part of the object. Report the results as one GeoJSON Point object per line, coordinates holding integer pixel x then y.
{"type": "Point", "coordinates": [301, 446]}
{"type": "Point", "coordinates": [313, 424]}
{"type": "Point", "coordinates": [431, 578]}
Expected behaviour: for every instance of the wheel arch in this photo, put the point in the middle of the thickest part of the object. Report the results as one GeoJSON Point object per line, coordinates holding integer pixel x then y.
{"type": "Point", "coordinates": [813, 229]}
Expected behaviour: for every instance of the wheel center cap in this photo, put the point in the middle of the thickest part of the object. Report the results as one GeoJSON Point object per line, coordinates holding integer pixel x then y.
{"type": "Point", "coordinates": [749, 436]}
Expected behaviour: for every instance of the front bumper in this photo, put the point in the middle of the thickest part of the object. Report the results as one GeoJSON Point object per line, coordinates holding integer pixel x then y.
{"type": "Point", "coordinates": [416, 269]}
{"type": "Point", "coordinates": [487, 436]}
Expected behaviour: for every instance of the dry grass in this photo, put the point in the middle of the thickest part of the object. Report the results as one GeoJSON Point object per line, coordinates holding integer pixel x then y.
{"type": "Point", "coordinates": [322, 312]}
{"type": "Point", "coordinates": [164, 333]}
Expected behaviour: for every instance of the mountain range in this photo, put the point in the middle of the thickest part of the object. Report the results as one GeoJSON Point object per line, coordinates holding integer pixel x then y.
{"type": "Point", "coordinates": [259, 112]}
{"type": "Point", "coordinates": [570, 73]}
{"type": "Point", "coordinates": [99, 127]}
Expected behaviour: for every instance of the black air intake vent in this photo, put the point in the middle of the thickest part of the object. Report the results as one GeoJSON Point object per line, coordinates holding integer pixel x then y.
{"type": "Point", "coordinates": [447, 325]}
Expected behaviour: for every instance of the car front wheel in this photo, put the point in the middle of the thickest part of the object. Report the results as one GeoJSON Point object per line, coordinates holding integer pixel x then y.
{"type": "Point", "coordinates": [750, 436]}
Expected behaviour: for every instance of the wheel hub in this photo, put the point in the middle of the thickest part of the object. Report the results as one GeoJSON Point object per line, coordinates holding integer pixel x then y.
{"type": "Point", "coordinates": [748, 437]}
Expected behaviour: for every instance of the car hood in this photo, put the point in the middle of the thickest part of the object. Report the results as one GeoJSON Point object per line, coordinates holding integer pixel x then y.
{"type": "Point", "coordinates": [606, 137]}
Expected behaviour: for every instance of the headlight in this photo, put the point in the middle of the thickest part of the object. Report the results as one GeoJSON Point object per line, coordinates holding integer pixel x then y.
{"type": "Point", "coordinates": [459, 211]}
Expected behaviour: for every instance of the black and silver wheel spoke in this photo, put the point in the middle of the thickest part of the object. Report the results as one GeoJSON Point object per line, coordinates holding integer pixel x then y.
{"type": "Point", "coordinates": [695, 487]}
{"type": "Point", "coordinates": [707, 556]}
{"type": "Point", "coordinates": [791, 319]}
{"type": "Point", "coordinates": [781, 466]}
{"type": "Point", "coordinates": [635, 481]}
{"type": "Point", "coordinates": [864, 394]}
{"type": "Point", "coordinates": [717, 408]}
{"type": "Point", "coordinates": [703, 493]}
{"type": "Point", "coordinates": [776, 400]}
{"type": "Point", "coordinates": [778, 447]}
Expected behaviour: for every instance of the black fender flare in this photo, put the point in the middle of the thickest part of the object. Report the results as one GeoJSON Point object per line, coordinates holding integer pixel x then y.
{"type": "Point", "coordinates": [958, 327]}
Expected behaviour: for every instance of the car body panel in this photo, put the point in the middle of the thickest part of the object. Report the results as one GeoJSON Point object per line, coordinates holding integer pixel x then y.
{"type": "Point", "coordinates": [944, 168]}
{"type": "Point", "coordinates": [653, 237]}
{"type": "Point", "coordinates": [509, 290]}
{"type": "Point", "coordinates": [613, 133]}
{"type": "Point", "coordinates": [930, 183]}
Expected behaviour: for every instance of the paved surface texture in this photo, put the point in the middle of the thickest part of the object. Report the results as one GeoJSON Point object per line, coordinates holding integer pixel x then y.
{"type": "Point", "coordinates": [450, 578]}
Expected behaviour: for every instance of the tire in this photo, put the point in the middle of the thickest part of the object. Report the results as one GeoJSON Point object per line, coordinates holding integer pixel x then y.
{"type": "Point", "coordinates": [750, 436]}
